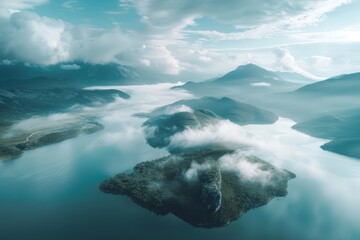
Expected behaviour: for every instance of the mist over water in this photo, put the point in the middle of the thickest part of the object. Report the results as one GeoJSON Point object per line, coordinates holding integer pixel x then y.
{"type": "Point", "coordinates": [52, 192]}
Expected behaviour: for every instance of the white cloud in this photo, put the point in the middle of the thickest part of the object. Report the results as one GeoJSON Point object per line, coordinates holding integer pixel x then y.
{"type": "Point", "coordinates": [257, 13]}
{"type": "Point", "coordinates": [115, 12]}
{"type": "Point", "coordinates": [70, 66]}
{"type": "Point", "coordinates": [53, 40]}
{"type": "Point", "coordinates": [261, 84]}
{"type": "Point", "coordinates": [167, 50]}
{"type": "Point", "coordinates": [36, 124]}
{"type": "Point", "coordinates": [347, 35]}
{"type": "Point", "coordinates": [100, 46]}
{"type": "Point", "coordinates": [25, 33]}
{"type": "Point", "coordinates": [145, 62]}
{"type": "Point", "coordinates": [240, 164]}
{"type": "Point", "coordinates": [192, 174]}
{"type": "Point", "coordinates": [322, 62]}
{"type": "Point", "coordinates": [72, 5]}
{"type": "Point", "coordinates": [159, 57]}
{"type": "Point", "coordinates": [177, 108]}
{"type": "Point", "coordinates": [223, 132]}
{"type": "Point", "coordinates": [288, 63]}
{"type": "Point", "coordinates": [125, 3]}
{"type": "Point", "coordinates": [21, 4]}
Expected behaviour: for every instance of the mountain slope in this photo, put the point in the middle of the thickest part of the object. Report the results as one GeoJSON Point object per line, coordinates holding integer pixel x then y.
{"type": "Point", "coordinates": [246, 82]}
{"type": "Point", "coordinates": [328, 97]}
{"type": "Point", "coordinates": [74, 74]}
{"type": "Point", "coordinates": [17, 104]}
{"type": "Point", "coordinates": [343, 85]}
{"type": "Point", "coordinates": [343, 128]}
{"type": "Point", "coordinates": [227, 108]}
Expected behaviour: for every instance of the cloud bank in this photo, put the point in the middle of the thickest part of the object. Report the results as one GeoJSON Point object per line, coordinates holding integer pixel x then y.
{"type": "Point", "coordinates": [242, 13]}
{"type": "Point", "coordinates": [164, 40]}
{"type": "Point", "coordinates": [239, 163]}
{"type": "Point", "coordinates": [21, 4]}
{"type": "Point", "coordinates": [223, 132]}
{"type": "Point", "coordinates": [24, 33]}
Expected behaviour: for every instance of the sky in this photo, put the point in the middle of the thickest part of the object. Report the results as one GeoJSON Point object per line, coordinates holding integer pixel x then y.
{"type": "Point", "coordinates": [316, 38]}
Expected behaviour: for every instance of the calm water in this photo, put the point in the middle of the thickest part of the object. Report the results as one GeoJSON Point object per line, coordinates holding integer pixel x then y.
{"type": "Point", "coordinates": [52, 192]}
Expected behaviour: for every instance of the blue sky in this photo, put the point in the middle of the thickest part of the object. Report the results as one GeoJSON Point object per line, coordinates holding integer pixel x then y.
{"type": "Point", "coordinates": [317, 38]}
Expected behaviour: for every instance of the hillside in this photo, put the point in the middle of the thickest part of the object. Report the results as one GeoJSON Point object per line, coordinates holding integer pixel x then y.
{"type": "Point", "coordinates": [342, 128]}
{"type": "Point", "coordinates": [247, 82]}
{"type": "Point", "coordinates": [226, 108]}
{"type": "Point", "coordinates": [73, 74]}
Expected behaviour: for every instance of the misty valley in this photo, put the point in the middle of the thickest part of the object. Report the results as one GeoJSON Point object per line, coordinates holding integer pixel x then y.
{"type": "Point", "coordinates": [211, 159]}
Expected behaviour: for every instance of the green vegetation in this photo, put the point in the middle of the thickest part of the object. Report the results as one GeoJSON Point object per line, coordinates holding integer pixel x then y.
{"type": "Point", "coordinates": [14, 147]}
{"type": "Point", "coordinates": [196, 188]}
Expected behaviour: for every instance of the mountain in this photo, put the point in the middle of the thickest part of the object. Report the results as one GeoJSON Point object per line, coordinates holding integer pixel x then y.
{"type": "Point", "coordinates": [328, 97]}
{"type": "Point", "coordinates": [247, 82]}
{"type": "Point", "coordinates": [342, 128]}
{"type": "Point", "coordinates": [197, 188]}
{"type": "Point", "coordinates": [18, 104]}
{"type": "Point", "coordinates": [343, 85]}
{"type": "Point", "coordinates": [159, 129]}
{"type": "Point", "coordinates": [249, 74]}
{"type": "Point", "coordinates": [226, 108]}
{"type": "Point", "coordinates": [166, 121]}
{"type": "Point", "coordinates": [23, 104]}
{"type": "Point", "coordinates": [73, 74]}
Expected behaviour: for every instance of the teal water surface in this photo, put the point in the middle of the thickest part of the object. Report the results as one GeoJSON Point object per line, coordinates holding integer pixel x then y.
{"type": "Point", "coordinates": [52, 192]}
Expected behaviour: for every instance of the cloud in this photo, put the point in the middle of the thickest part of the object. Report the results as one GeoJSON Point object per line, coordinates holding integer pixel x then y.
{"type": "Point", "coordinates": [115, 12]}
{"type": "Point", "coordinates": [261, 84]}
{"type": "Point", "coordinates": [56, 41]}
{"type": "Point", "coordinates": [35, 124]}
{"type": "Point", "coordinates": [25, 33]}
{"type": "Point", "coordinates": [72, 5]}
{"type": "Point", "coordinates": [345, 35]}
{"type": "Point", "coordinates": [119, 115]}
{"type": "Point", "coordinates": [161, 58]}
{"type": "Point", "coordinates": [70, 67]}
{"type": "Point", "coordinates": [240, 163]}
{"type": "Point", "coordinates": [177, 109]}
{"type": "Point", "coordinates": [322, 62]}
{"type": "Point", "coordinates": [21, 4]}
{"type": "Point", "coordinates": [242, 13]}
{"type": "Point", "coordinates": [168, 44]}
{"type": "Point", "coordinates": [125, 4]}
{"type": "Point", "coordinates": [222, 132]}
{"type": "Point", "coordinates": [53, 40]}
{"type": "Point", "coordinates": [192, 174]}
{"type": "Point", "coordinates": [288, 63]}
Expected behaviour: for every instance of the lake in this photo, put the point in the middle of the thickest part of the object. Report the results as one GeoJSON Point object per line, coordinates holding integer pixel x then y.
{"type": "Point", "coordinates": [52, 192]}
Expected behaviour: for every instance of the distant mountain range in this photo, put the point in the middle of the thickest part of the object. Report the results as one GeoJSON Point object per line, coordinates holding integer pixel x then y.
{"type": "Point", "coordinates": [248, 82]}
{"type": "Point", "coordinates": [19, 104]}
{"type": "Point", "coordinates": [342, 128]}
{"type": "Point", "coordinates": [73, 74]}
{"type": "Point", "coordinates": [327, 109]}
{"type": "Point", "coordinates": [343, 85]}
{"type": "Point", "coordinates": [333, 95]}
